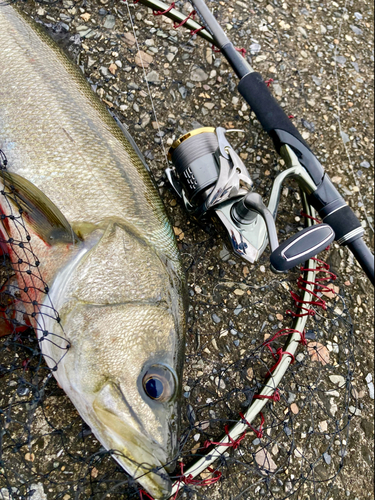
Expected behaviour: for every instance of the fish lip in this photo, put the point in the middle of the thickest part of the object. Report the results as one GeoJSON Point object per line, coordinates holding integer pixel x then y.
{"type": "Point", "coordinates": [141, 464]}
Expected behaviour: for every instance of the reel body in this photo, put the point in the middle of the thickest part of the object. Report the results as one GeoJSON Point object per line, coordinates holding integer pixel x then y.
{"type": "Point", "coordinates": [208, 175]}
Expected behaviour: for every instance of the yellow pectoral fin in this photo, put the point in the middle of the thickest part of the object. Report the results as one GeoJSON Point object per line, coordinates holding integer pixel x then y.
{"type": "Point", "coordinates": [45, 219]}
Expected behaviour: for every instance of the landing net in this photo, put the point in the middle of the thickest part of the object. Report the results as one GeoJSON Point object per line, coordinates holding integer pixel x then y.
{"type": "Point", "coordinates": [312, 438]}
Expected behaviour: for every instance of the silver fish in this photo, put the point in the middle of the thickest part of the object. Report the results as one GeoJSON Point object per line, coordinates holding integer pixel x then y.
{"type": "Point", "coordinates": [106, 250]}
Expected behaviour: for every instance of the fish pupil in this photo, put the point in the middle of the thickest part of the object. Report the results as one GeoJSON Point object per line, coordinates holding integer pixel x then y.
{"type": "Point", "coordinates": [154, 388]}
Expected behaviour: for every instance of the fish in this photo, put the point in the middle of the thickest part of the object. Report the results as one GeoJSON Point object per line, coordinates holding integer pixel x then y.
{"type": "Point", "coordinates": [97, 265]}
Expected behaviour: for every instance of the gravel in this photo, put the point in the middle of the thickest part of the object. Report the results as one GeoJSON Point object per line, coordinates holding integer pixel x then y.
{"type": "Point", "coordinates": [312, 56]}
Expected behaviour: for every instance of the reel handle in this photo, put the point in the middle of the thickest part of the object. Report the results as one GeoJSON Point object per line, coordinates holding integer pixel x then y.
{"type": "Point", "coordinates": [246, 210]}
{"type": "Point", "coordinates": [295, 250]}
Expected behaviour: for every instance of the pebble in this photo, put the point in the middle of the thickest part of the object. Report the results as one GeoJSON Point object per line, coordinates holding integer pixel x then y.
{"type": "Point", "coordinates": [30, 457]}
{"type": "Point", "coordinates": [327, 458]}
{"type": "Point", "coordinates": [291, 397]}
{"type": "Point", "coordinates": [215, 318]}
{"type": "Point", "coordinates": [370, 385]}
{"type": "Point", "coordinates": [338, 380]}
{"type": "Point", "coordinates": [344, 137]}
{"type": "Point", "coordinates": [113, 68]}
{"type": "Point", "coordinates": [238, 310]}
{"type": "Point", "coordinates": [202, 426]}
{"type": "Point", "coordinates": [197, 74]}
{"type": "Point", "coordinates": [145, 120]}
{"type": "Point", "coordinates": [294, 408]}
{"type": "Point", "coordinates": [210, 105]}
{"type": "Point", "coordinates": [356, 30]}
{"type": "Point", "coordinates": [38, 491]}
{"type": "Point", "coordinates": [255, 48]}
{"type": "Point", "coordinates": [86, 17]}
{"type": "Point", "coordinates": [334, 394]}
{"type": "Point", "coordinates": [288, 487]}
{"type": "Point", "coordinates": [219, 382]}
{"type": "Point", "coordinates": [129, 39]}
{"type": "Point", "coordinates": [190, 414]}
{"type": "Point", "coordinates": [265, 461]}
{"type": "Point", "coordinates": [317, 80]}
{"type": "Point", "coordinates": [65, 18]}
{"type": "Point", "coordinates": [355, 66]}
{"type": "Point", "coordinates": [84, 31]}
{"type": "Point", "coordinates": [355, 411]}
{"type": "Point", "coordinates": [340, 59]}
{"type": "Point", "coordinates": [224, 254]}
{"type": "Point", "coordinates": [109, 22]}
{"type": "Point", "coordinates": [143, 60]}
{"type": "Point", "coordinates": [365, 164]}
{"type": "Point", "coordinates": [277, 89]}
{"type": "Point", "coordinates": [323, 426]}
{"type": "Point", "coordinates": [153, 77]}
{"type": "Point", "coordinates": [23, 390]}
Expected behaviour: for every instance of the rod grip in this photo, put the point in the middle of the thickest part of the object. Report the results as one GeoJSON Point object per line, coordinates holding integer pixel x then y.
{"type": "Point", "coordinates": [267, 110]}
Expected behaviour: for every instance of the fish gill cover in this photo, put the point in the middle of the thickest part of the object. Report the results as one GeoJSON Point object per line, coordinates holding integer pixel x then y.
{"type": "Point", "coordinates": [312, 440]}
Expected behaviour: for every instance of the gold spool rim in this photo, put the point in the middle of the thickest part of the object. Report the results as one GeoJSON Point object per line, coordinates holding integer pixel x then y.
{"type": "Point", "coordinates": [187, 136]}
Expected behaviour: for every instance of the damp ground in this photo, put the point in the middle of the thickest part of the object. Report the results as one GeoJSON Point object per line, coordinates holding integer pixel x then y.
{"type": "Point", "coordinates": [320, 58]}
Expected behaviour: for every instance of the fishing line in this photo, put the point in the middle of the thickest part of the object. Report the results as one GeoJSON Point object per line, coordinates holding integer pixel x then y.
{"type": "Point", "coordinates": [148, 86]}
{"type": "Point", "coordinates": [241, 474]}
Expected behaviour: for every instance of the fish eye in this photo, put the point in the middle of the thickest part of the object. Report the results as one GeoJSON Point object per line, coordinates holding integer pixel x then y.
{"type": "Point", "coordinates": [159, 383]}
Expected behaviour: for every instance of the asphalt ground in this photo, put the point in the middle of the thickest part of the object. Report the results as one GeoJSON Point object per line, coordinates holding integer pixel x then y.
{"type": "Point", "coordinates": [320, 58]}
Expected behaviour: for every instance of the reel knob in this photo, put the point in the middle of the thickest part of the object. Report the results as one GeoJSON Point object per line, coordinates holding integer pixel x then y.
{"type": "Point", "coordinates": [301, 247]}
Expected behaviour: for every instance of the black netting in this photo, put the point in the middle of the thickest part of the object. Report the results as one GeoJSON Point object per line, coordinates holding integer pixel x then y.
{"type": "Point", "coordinates": [296, 445]}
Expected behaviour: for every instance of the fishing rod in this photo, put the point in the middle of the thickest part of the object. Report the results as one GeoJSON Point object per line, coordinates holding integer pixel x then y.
{"type": "Point", "coordinates": [207, 173]}
{"type": "Point", "coordinates": [326, 199]}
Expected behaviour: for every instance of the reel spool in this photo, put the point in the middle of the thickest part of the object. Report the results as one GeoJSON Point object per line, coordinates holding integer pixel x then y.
{"type": "Point", "coordinates": [207, 171]}
{"type": "Point", "coordinates": [194, 156]}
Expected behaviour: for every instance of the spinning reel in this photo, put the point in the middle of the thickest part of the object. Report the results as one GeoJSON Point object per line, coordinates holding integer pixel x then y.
{"type": "Point", "coordinates": [209, 176]}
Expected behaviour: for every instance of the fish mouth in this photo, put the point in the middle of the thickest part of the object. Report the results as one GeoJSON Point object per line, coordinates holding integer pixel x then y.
{"type": "Point", "coordinates": [134, 452]}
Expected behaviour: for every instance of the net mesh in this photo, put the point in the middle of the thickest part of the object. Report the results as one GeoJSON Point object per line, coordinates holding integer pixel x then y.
{"type": "Point", "coordinates": [298, 446]}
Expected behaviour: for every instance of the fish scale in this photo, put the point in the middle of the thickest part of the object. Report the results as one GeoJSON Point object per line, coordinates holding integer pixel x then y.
{"type": "Point", "coordinates": [106, 250]}
{"type": "Point", "coordinates": [87, 145]}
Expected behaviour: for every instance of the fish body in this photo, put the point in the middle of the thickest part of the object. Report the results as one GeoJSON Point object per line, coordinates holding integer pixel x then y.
{"type": "Point", "coordinates": [98, 269]}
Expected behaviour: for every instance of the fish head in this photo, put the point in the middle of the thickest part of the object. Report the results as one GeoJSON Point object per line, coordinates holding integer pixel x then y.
{"type": "Point", "coordinates": [122, 371]}
{"type": "Point", "coordinates": [132, 400]}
